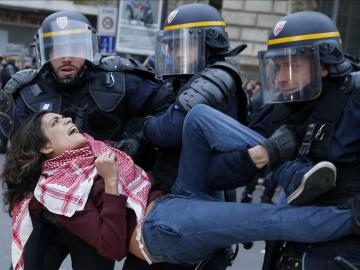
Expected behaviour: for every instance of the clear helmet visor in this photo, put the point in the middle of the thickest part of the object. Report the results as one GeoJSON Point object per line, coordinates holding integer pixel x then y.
{"type": "Point", "coordinates": [75, 39]}
{"type": "Point", "coordinates": [290, 74]}
{"type": "Point", "coordinates": [180, 52]}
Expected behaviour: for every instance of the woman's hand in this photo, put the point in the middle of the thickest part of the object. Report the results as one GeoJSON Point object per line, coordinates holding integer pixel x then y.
{"type": "Point", "coordinates": [106, 167]}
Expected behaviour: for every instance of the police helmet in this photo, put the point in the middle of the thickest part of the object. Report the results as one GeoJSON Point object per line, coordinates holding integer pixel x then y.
{"type": "Point", "coordinates": [66, 34]}
{"type": "Point", "coordinates": [188, 31]}
{"type": "Point", "coordinates": [300, 43]}
{"type": "Point", "coordinates": [8, 70]}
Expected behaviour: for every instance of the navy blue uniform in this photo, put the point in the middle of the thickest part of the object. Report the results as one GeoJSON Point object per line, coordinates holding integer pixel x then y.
{"type": "Point", "coordinates": [336, 138]}
{"type": "Point", "coordinates": [164, 131]}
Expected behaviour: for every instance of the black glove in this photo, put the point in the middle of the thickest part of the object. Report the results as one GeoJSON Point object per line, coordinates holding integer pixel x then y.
{"type": "Point", "coordinates": [130, 146]}
{"type": "Point", "coordinates": [281, 146]}
{"type": "Point", "coordinates": [142, 153]}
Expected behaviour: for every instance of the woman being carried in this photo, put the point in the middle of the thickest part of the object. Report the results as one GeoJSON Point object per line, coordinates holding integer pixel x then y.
{"type": "Point", "coordinates": [100, 195]}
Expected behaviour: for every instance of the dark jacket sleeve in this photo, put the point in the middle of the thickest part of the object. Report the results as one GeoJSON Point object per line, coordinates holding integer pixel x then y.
{"type": "Point", "coordinates": [345, 146]}
{"type": "Point", "coordinates": [145, 96]}
{"type": "Point", "coordinates": [106, 228]}
{"type": "Point", "coordinates": [230, 170]}
{"type": "Point", "coordinates": [165, 130]}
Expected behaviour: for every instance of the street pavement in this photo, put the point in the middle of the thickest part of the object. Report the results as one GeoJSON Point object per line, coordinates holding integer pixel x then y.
{"type": "Point", "coordinates": [246, 260]}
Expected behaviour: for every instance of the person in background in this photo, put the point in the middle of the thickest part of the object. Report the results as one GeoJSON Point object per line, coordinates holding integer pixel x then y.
{"type": "Point", "coordinates": [253, 92]}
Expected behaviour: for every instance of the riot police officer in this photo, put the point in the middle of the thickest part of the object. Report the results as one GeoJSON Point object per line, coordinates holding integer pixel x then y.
{"type": "Point", "coordinates": [310, 85]}
{"type": "Point", "coordinates": [328, 121]}
{"type": "Point", "coordinates": [72, 79]}
{"type": "Point", "coordinates": [101, 96]}
{"type": "Point", "coordinates": [190, 58]}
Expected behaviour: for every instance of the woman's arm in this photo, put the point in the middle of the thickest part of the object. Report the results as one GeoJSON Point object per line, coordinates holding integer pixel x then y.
{"type": "Point", "coordinates": [103, 222]}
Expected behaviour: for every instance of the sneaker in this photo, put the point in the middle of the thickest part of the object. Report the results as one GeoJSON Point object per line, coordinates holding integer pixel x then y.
{"type": "Point", "coordinates": [315, 182]}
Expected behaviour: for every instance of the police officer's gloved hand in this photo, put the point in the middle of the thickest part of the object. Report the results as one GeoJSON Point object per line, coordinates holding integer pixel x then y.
{"type": "Point", "coordinates": [131, 146]}
{"type": "Point", "coordinates": [281, 146]}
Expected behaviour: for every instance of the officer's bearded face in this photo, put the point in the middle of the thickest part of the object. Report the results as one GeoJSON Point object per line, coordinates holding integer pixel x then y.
{"type": "Point", "coordinates": [67, 67]}
{"type": "Point", "coordinates": [67, 61]}
{"type": "Point", "coordinates": [292, 74]}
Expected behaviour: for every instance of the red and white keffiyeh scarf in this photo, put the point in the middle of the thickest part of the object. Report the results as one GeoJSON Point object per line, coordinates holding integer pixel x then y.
{"type": "Point", "coordinates": [64, 187]}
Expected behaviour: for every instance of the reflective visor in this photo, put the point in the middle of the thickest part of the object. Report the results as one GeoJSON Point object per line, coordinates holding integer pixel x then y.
{"type": "Point", "coordinates": [75, 39]}
{"type": "Point", "coordinates": [290, 74]}
{"type": "Point", "coordinates": [180, 51]}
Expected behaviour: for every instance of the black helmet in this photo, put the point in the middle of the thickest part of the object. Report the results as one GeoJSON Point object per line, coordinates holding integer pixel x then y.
{"type": "Point", "coordinates": [8, 70]}
{"type": "Point", "coordinates": [313, 29]}
{"type": "Point", "coordinates": [188, 29]}
{"type": "Point", "coordinates": [290, 69]}
{"type": "Point", "coordinates": [66, 34]}
{"type": "Point", "coordinates": [201, 16]}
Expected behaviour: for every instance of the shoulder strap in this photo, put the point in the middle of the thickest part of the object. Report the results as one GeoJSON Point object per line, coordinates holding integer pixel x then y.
{"type": "Point", "coordinates": [108, 89]}
{"type": "Point", "coordinates": [117, 63]}
{"type": "Point", "coordinates": [38, 99]}
{"type": "Point", "coordinates": [321, 125]}
{"type": "Point", "coordinates": [233, 70]}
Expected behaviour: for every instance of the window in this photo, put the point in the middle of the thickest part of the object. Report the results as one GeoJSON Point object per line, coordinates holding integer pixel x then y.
{"type": "Point", "coordinates": [345, 14]}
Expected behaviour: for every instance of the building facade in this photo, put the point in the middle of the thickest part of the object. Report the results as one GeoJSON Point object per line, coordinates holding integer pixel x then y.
{"type": "Point", "coordinates": [19, 21]}
{"type": "Point", "coordinates": [248, 21]}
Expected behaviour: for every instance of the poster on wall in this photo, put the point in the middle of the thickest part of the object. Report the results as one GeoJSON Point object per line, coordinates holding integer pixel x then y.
{"type": "Point", "coordinates": [106, 27]}
{"type": "Point", "coordinates": [138, 24]}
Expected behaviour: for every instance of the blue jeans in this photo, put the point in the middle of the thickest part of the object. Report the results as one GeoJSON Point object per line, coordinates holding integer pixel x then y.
{"type": "Point", "coordinates": [290, 174]}
{"type": "Point", "coordinates": [186, 226]}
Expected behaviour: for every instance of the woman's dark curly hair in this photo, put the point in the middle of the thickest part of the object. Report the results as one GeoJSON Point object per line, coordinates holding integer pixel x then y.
{"type": "Point", "coordinates": [23, 161]}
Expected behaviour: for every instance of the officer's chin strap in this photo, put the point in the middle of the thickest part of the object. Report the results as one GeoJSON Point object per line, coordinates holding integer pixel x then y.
{"type": "Point", "coordinates": [233, 52]}
{"type": "Point", "coordinates": [355, 62]}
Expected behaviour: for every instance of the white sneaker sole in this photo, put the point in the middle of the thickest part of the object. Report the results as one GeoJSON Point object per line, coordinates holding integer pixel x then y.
{"type": "Point", "coordinates": [317, 181]}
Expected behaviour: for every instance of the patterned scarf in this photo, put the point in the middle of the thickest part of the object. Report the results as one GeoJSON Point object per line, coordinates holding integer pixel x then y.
{"type": "Point", "coordinates": [65, 184]}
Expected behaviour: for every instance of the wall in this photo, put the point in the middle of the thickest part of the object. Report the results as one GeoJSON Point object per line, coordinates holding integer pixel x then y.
{"type": "Point", "coordinates": [249, 22]}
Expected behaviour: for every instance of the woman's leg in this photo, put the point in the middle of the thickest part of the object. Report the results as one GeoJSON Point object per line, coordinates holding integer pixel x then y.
{"type": "Point", "coordinates": [85, 257]}
{"type": "Point", "coordinates": [205, 132]}
{"type": "Point", "coordinates": [61, 243]}
{"type": "Point", "coordinates": [185, 230]}
{"type": "Point", "coordinates": [42, 252]}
